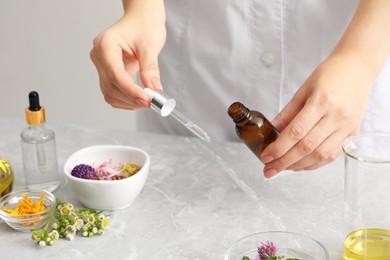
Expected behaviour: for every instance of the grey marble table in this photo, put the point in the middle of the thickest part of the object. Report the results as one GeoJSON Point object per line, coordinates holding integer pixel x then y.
{"type": "Point", "coordinates": [198, 199]}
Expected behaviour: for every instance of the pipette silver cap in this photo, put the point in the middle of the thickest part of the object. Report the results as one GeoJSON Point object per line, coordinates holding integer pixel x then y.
{"type": "Point", "coordinates": [160, 102]}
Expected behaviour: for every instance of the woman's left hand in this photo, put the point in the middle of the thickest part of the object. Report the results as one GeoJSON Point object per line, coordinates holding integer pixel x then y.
{"type": "Point", "coordinates": [327, 108]}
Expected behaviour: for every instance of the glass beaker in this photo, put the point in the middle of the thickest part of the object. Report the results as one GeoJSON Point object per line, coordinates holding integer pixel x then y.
{"type": "Point", "coordinates": [367, 197]}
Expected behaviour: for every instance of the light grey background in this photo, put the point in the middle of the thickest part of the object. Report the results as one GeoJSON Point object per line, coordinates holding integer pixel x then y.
{"type": "Point", "coordinates": [44, 46]}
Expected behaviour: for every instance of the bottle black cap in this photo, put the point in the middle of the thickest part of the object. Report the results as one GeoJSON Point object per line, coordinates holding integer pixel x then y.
{"type": "Point", "coordinates": [34, 101]}
{"type": "Point", "coordinates": [35, 113]}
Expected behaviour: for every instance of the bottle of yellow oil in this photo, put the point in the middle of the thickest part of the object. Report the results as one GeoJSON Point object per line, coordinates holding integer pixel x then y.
{"type": "Point", "coordinates": [6, 177]}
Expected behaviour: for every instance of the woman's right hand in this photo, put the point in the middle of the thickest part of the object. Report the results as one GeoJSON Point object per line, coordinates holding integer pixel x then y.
{"type": "Point", "coordinates": [130, 45]}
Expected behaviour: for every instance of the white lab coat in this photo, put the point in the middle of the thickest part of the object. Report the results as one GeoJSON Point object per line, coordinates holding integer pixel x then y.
{"type": "Point", "coordinates": [258, 52]}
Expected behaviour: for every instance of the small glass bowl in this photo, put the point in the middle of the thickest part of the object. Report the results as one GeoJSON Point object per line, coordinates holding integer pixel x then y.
{"type": "Point", "coordinates": [26, 222]}
{"type": "Point", "coordinates": [289, 245]}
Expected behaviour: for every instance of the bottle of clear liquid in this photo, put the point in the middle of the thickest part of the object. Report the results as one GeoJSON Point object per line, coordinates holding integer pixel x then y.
{"type": "Point", "coordinates": [39, 149]}
{"type": "Point", "coordinates": [252, 127]}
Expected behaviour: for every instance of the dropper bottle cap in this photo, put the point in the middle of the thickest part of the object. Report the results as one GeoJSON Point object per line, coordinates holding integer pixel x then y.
{"type": "Point", "coordinates": [35, 113]}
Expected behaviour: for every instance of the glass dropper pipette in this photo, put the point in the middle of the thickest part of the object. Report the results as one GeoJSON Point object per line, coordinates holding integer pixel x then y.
{"type": "Point", "coordinates": [166, 106]}
{"type": "Point", "coordinates": [190, 125]}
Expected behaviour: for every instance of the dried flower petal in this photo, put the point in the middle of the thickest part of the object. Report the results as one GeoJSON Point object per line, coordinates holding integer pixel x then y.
{"type": "Point", "coordinates": [84, 171]}
{"type": "Point", "coordinates": [28, 208]}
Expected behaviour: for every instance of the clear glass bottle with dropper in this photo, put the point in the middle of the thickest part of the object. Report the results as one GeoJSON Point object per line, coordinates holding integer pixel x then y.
{"type": "Point", "coordinates": [39, 149]}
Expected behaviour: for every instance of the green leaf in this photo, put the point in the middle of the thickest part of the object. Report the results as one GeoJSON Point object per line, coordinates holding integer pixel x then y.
{"type": "Point", "coordinates": [245, 258]}
{"type": "Point", "coordinates": [58, 201]}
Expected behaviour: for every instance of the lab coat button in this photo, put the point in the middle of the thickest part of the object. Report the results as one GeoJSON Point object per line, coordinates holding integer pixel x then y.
{"type": "Point", "coordinates": [268, 59]}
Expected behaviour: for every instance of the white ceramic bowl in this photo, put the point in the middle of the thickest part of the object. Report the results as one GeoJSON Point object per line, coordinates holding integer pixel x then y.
{"type": "Point", "coordinates": [106, 194]}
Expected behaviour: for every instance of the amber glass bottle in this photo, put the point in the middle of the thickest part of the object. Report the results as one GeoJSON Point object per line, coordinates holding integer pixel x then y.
{"type": "Point", "coordinates": [252, 127]}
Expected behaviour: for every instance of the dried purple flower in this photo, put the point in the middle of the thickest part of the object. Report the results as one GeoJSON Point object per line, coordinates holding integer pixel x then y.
{"type": "Point", "coordinates": [84, 171]}
{"type": "Point", "coordinates": [266, 250]}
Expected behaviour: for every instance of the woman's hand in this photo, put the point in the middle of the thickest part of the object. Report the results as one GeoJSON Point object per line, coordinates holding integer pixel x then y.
{"type": "Point", "coordinates": [331, 103]}
{"type": "Point", "coordinates": [132, 44]}
{"type": "Point", "coordinates": [327, 108]}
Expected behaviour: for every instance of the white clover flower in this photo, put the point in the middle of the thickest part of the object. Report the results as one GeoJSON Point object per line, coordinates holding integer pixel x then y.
{"type": "Point", "coordinates": [79, 223]}
{"type": "Point", "coordinates": [94, 230]}
{"type": "Point", "coordinates": [69, 237]}
{"type": "Point", "coordinates": [105, 223]}
{"type": "Point", "coordinates": [70, 230]}
{"type": "Point", "coordinates": [64, 211]}
{"type": "Point", "coordinates": [91, 219]}
{"type": "Point", "coordinates": [85, 227]}
{"type": "Point", "coordinates": [74, 215]}
{"type": "Point", "coordinates": [100, 217]}
{"type": "Point", "coordinates": [69, 206]}
{"type": "Point", "coordinates": [55, 234]}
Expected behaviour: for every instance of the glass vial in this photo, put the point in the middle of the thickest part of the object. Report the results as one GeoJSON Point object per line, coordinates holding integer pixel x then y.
{"type": "Point", "coordinates": [252, 128]}
{"type": "Point", "coordinates": [39, 149]}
